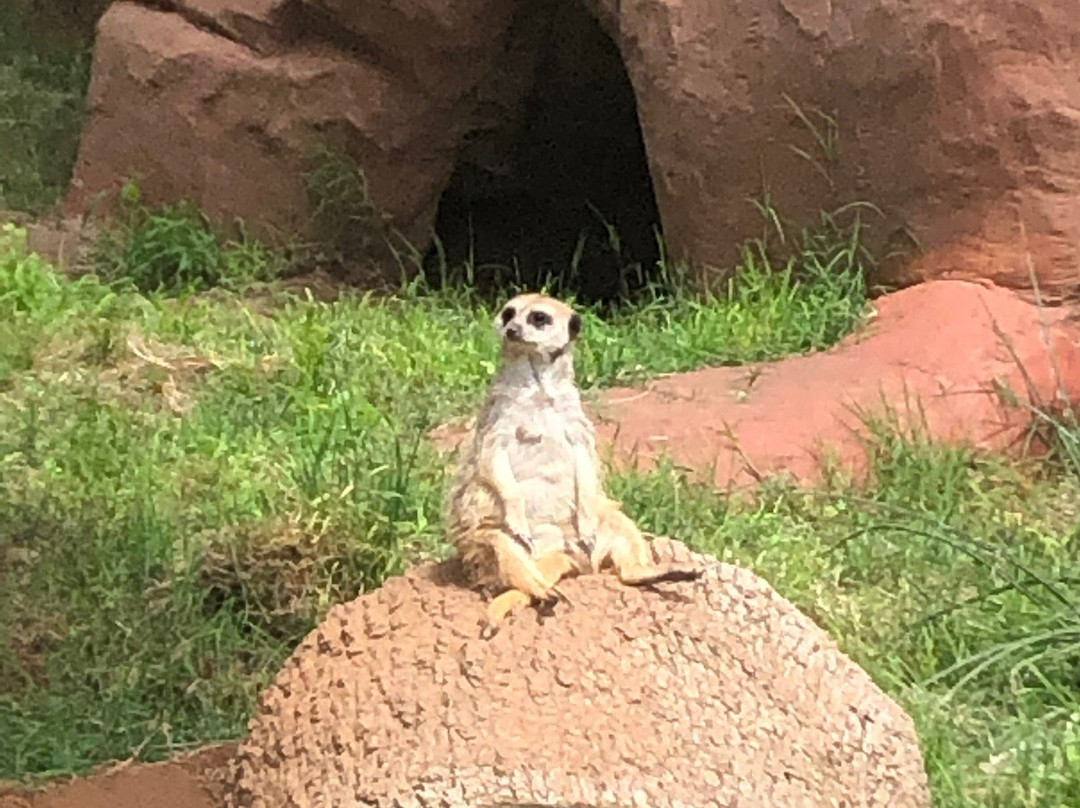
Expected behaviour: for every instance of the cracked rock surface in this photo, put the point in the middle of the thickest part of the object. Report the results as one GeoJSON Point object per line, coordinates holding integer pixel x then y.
{"type": "Point", "coordinates": [716, 693]}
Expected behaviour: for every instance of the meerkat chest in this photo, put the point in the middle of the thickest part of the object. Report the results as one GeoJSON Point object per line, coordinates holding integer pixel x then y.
{"type": "Point", "coordinates": [543, 438]}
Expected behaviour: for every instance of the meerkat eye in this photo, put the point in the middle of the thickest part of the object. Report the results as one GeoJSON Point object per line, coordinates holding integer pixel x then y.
{"type": "Point", "coordinates": [508, 314]}
{"type": "Point", "coordinates": [539, 319]}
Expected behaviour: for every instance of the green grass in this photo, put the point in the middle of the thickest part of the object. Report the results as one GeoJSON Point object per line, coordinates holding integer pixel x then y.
{"type": "Point", "coordinates": [192, 479]}
{"type": "Point", "coordinates": [777, 302]}
{"type": "Point", "coordinates": [42, 93]}
{"type": "Point", "coordinates": [963, 605]}
{"type": "Point", "coordinates": [176, 249]}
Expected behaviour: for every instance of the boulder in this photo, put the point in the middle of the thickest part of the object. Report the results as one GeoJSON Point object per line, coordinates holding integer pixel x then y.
{"type": "Point", "coordinates": [232, 121]}
{"type": "Point", "coordinates": [715, 693]}
{"type": "Point", "coordinates": [258, 24]}
{"type": "Point", "coordinates": [959, 119]}
{"type": "Point", "coordinates": [444, 47]}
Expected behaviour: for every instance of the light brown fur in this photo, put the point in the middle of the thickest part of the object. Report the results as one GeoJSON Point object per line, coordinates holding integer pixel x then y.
{"type": "Point", "coordinates": [528, 508]}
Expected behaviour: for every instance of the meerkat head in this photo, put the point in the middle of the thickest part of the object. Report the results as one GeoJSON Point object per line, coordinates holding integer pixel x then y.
{"type": "Point", "coordinates": [536, 325]}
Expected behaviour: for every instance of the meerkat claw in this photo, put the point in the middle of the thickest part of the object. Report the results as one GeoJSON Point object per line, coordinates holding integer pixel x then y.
{"type": "Point", "coordinates": [557, 596]}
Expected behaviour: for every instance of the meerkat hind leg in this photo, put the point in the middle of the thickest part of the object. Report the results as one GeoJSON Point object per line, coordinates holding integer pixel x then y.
{"type": "Point", "coordinates": [528, 579]}
{"type": "Point", "coordinates": [620, 542]}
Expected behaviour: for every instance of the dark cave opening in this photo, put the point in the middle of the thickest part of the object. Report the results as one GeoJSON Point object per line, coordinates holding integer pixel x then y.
{"type": "Point", "coordinates": [578, 174]}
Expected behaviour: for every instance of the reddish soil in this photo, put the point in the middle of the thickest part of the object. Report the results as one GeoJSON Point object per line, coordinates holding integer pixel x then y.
{"type": "Point", "coordinates": [936, 360]}
{"type": "Point", "coordinates": [183, 782]}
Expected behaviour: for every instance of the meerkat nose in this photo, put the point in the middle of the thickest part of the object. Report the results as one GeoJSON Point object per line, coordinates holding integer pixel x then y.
{"type": "Point", "coordinates": [513, 332]}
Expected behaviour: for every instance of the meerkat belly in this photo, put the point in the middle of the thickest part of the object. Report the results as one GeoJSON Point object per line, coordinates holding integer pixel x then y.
{"type": "Point", "coordinates": [543, 462]}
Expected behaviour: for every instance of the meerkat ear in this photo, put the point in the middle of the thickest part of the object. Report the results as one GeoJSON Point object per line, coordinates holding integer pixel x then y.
{"type": "Point", "coordinates": [575, 325]}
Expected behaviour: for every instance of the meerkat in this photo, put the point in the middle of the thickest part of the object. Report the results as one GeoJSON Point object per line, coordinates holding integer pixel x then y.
{"type": "Point", "coordinates": [527, 507]}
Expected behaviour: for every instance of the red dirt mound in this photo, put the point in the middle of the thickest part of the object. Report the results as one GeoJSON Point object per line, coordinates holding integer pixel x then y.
{"type": "Point", "coordinates": [184, 782]}
{"type": "Point", "coordinates": [941, 356]}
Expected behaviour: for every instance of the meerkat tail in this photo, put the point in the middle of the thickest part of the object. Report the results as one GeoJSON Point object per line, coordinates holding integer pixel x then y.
{"type": "Point", "coordinates": [647, 577]}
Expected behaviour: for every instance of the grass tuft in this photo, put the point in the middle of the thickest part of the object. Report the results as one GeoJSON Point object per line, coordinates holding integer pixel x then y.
{"type": "Point", "coordinates": [767, 309]}
{"type": "Point", "coordinates": [175, 250]}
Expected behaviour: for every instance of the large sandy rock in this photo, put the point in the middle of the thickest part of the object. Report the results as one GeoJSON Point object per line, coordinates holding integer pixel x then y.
{"type": "Point", "coordinates": [716, 694]}
{"type": "Point", "coordinates": [224, 101]}
{"type": "Point", "coordinates": [445, 46]}
{"type": "Point", "coordinates": [959, 118]}
{"type": "Point", "coordinates": [257, 24]}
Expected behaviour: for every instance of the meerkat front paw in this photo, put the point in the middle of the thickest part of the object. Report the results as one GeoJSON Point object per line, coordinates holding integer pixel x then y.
{"type": "Point", "coordinates": [513, 600]}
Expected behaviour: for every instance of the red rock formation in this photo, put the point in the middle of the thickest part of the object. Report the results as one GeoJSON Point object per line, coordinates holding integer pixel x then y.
{"type": "Point", "coordinates": [959, 119]}
{"type": "Point", "coordinates": [217, 105]}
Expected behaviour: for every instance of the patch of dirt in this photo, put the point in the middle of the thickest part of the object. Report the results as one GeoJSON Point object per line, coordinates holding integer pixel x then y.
{"type": "Point", "coordinates": [960, 362]}
{"type": "Point", "coordinates": [283, 570]}
{"type": "Point", "coordinates": [65, 242]}
{"type": "Point", "coordinates": [319, 283]}
{"type": "Point", "coordinates": [136, 369]}
{"type": "Point", "coordinates": [188, 781]}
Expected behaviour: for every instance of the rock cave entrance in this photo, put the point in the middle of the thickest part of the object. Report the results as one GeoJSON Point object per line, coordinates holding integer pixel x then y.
{"type": "Point", "coordinates": [574, 164]}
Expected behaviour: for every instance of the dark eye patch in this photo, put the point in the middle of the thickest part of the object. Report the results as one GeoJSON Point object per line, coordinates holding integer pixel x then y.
{"type": "Point", "coordinates": [539, 319]}
{"type": "Point", "coordinates": [575, 325]}
{"type": "Point", "coordinates": [508, 314]}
